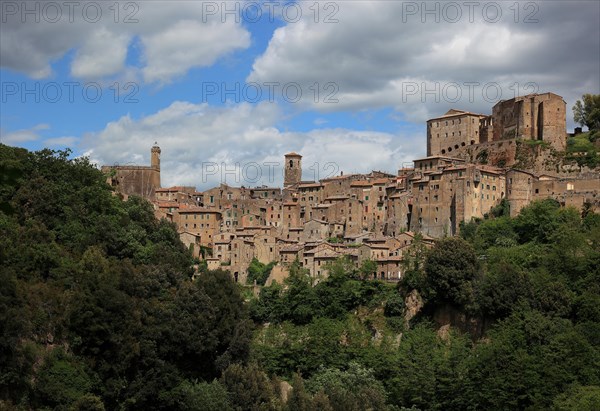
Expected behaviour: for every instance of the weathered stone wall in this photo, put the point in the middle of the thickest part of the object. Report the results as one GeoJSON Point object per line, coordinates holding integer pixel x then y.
{"type": "Point", "coordinates": [494, 153]}
{"type": "Point", "coordinates": [293, 169]}
{"type": "Point", "coordinates": [532, 117]}
{"type": "Point", "coordinates": [133, 180]}
{"type": "Point", "coordinates": [446, 134]}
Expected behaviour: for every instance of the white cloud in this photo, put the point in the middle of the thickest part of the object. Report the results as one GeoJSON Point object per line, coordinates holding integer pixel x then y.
{"type": "Point", "coordinates": [203, 145]}
{"type": "Point", "coordinates": [174, 36]}
{"type": "Point", "coordinates": [103, 54]}
{"type": "Point", "coordinates": [189, 43]}
{"type": "Point", "coordinates": [379, 52]}
{"type": "Point", "coordinates": [22, 136]}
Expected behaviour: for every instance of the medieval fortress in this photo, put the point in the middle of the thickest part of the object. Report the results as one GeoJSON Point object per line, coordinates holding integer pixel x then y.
{"type": "Point", "coordinates": [473, 162]}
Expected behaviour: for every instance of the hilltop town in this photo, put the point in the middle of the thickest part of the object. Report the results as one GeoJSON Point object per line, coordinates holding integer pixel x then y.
{"type": "Point", "coordinates": [474, 162]}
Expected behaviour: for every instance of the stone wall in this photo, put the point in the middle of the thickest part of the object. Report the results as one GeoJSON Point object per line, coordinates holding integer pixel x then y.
{"type": "Point", "coordinates": [133, 180]}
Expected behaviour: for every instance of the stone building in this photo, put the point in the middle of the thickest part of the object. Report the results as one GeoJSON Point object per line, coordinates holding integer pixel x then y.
{"type": "Point", "coordinates": [375, 216]}
{"type": "Point", "coordinates": [523, 187]}
{"type": "Point", "coordinates": [136, 180]}
{"type": "Point", "coordinates": [453, 130]}
{"type": "Point", "coordinates": [493, 139]}
{"type": "Point", "coordinates": [449, 191]}
{"type": "Point", "coordinates": [202, 221]}
{"type": "Point", "coordinates": [293, 170]}
{"type": "Point", "coordinates": [533, 117]}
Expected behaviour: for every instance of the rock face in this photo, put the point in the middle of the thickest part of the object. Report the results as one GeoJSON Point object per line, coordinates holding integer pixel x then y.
{"type": "Point", "coordinates": [284, 389]}
{"type": "Point", "coordinates": [413, 303]}
{"type": "Point", "coordinates": [448, 316]}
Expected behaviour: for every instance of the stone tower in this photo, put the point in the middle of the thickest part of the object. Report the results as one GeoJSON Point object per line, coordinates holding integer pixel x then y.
{"type": "Point", "coordinates": [134, 179]}
{"type": "Point", "coordinates": [293, 169]}
{"type": "Point", "coordinates": [155, 156]}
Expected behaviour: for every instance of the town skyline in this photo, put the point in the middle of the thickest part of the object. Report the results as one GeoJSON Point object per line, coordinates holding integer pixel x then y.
{"type": "Point", "coordinates": [220, 84]}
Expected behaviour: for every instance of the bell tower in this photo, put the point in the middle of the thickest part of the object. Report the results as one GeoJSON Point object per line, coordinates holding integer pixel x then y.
{"type": "Point", "coordinates": [155, 156]}
{"type": "Point", "coordinates": [293, 169]}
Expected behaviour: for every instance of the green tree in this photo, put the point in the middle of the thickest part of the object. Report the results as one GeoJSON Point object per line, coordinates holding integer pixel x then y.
{"type": "Point", "coordinates": [367, 269]}
{"type": "Point", "coordinates": [249, 388]}
{"type": "Point", "coordinates": [353, 389]}
{"type": "Point", "coordinates": [259, 272]}
{"type": "Point", "coordinates": [578, 398]}
{"type": "Point", "coordinates": [586, 111]}
{"type": "Point", "coordinates": [451, 268]}
{"type": "Point", "coordinates": [199, 396]}
{"type": "Point", "coordinates": [62, 380]}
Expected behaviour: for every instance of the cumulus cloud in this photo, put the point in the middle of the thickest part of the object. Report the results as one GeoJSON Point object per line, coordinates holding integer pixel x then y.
{"type": "Point", "coordinates": [174, 37]}
{"type": "Point", "coordinates": [240, 144]}
{"type": "Point", "coordinates": [396, 54]}
{"type": "Point", "coordinates": [17, 137]}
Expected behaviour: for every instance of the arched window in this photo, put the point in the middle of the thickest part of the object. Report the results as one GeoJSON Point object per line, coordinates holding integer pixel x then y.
{"type": "Point", "coordinates": [291, 164]}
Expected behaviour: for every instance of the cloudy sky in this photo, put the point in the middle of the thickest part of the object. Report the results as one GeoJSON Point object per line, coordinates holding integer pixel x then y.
{"type": "Point", "coordinates": [226, 88]}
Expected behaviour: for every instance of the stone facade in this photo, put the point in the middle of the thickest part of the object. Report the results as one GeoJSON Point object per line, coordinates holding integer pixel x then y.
{"type": "Point", "coordinates": [475, 161]}
{"type": "Point", "coordinates": [493, 139]}
{"type": "Point", "coordinates": [136, 180]}
{"type": "Point", "coordinates": [293, 170]}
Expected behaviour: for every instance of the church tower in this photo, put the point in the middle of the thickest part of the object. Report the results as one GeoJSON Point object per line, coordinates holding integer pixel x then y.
{"type": "Point", "coordinates": [155, 156]}
{"type": "Point", "coordinates": [293, 169]}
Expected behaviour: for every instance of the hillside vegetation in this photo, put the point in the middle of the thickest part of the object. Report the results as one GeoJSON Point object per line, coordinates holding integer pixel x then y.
{"type": "Point", "coordinates": [98, 312]}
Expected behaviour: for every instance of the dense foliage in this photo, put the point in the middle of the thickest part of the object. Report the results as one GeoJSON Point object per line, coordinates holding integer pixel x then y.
{"type": "Point", "coordinates": [97, 306]}
{"type": "Point", "coordinates": [523, 298]}
{"type": "Point", "coordinates": [98, 311]}
{"type": "Point", "coordinates": [583, 148]}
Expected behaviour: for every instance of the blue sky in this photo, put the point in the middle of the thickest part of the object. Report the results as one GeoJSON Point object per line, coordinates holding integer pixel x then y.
{"type": "Point", "coordinates": [370, 74]}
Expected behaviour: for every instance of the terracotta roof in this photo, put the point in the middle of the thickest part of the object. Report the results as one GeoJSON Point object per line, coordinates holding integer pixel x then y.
{"type": "Point", "coordinates": [310, 185]}
{"type": "Point", "coordinates": [340, 177]}
{"type": "Point", "coordinates": [326, 253]}
{"type": "Point", "coordinates": [455, 113]}
{"type": "Point", "coordinates": [164, 204]}
{"type": "Point", "coordinates": [293, 154]}
{"type": "Point", "coordinates": [292, 248]}
{"type": "Point", "coordinates": [174, 189]}
{"type": "Point", "coordinates": [378, 246]}
{"type": "Point", "coordinates": [198, 210]}
{"type": "Point", "coordinates": [358, 235]}
{"type": "Point", "coordinates": [381, 181]}
{"type": "Point", "coordinates": [361, 183]}
{"type": "Point", "coordinates": [350, 251]}
{"type": "Point", "coordinates": [490, 169]}
{"type": "Point", "coordinates": [317, 220]}
{"type": "Point", "coordinates": [378, 238]}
